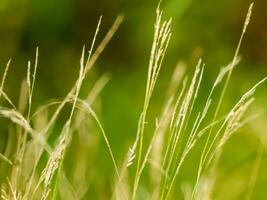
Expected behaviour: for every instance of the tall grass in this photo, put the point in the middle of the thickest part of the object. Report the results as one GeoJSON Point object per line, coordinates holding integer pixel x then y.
{"type": "Point", "coordinates": [36, 168]}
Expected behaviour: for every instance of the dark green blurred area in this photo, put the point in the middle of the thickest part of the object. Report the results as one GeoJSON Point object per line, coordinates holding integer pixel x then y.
{"type": "Point", "coordinates": [201, 28]}
{"type": "Point", "coordinates": [206, 29]}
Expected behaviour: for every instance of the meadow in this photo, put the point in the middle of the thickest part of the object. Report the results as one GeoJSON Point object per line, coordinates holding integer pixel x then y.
{"type": "Point", "coordinates": [193, 134]}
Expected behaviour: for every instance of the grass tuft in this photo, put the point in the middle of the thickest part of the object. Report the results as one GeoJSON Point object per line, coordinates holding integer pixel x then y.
{"type": "Point", "coordinates": [36, 168]}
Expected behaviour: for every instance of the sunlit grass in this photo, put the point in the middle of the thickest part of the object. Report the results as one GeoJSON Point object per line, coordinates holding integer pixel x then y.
{"type": "Point", "coordinates": [37, 169]}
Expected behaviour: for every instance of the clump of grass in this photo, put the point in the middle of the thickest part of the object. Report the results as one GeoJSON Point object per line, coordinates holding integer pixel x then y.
{"type": "Point", "coordinates": [174, 138]}
{"type": "Point", "coordinates": [36, 171]}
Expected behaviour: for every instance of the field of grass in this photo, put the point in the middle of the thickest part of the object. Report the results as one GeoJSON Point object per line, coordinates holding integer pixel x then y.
{"type": "Point", "coordinates": [194, 144]}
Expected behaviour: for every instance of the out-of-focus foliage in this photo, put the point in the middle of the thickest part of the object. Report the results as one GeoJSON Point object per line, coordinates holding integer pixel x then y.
{"type": "Point", "coordinates": [201, 28]}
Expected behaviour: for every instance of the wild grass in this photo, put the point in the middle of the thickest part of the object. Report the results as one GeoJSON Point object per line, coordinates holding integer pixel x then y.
{"type": "Point", "coordinates": [36, 168]}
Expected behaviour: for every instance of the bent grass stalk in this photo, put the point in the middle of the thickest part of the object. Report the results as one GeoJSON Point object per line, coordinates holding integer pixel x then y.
{"type": "Point", "coordinates": [17, 118]}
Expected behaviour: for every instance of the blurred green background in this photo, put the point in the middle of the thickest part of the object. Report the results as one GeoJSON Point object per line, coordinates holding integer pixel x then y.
{"type": "Point", "coordinates": [201, 28]}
